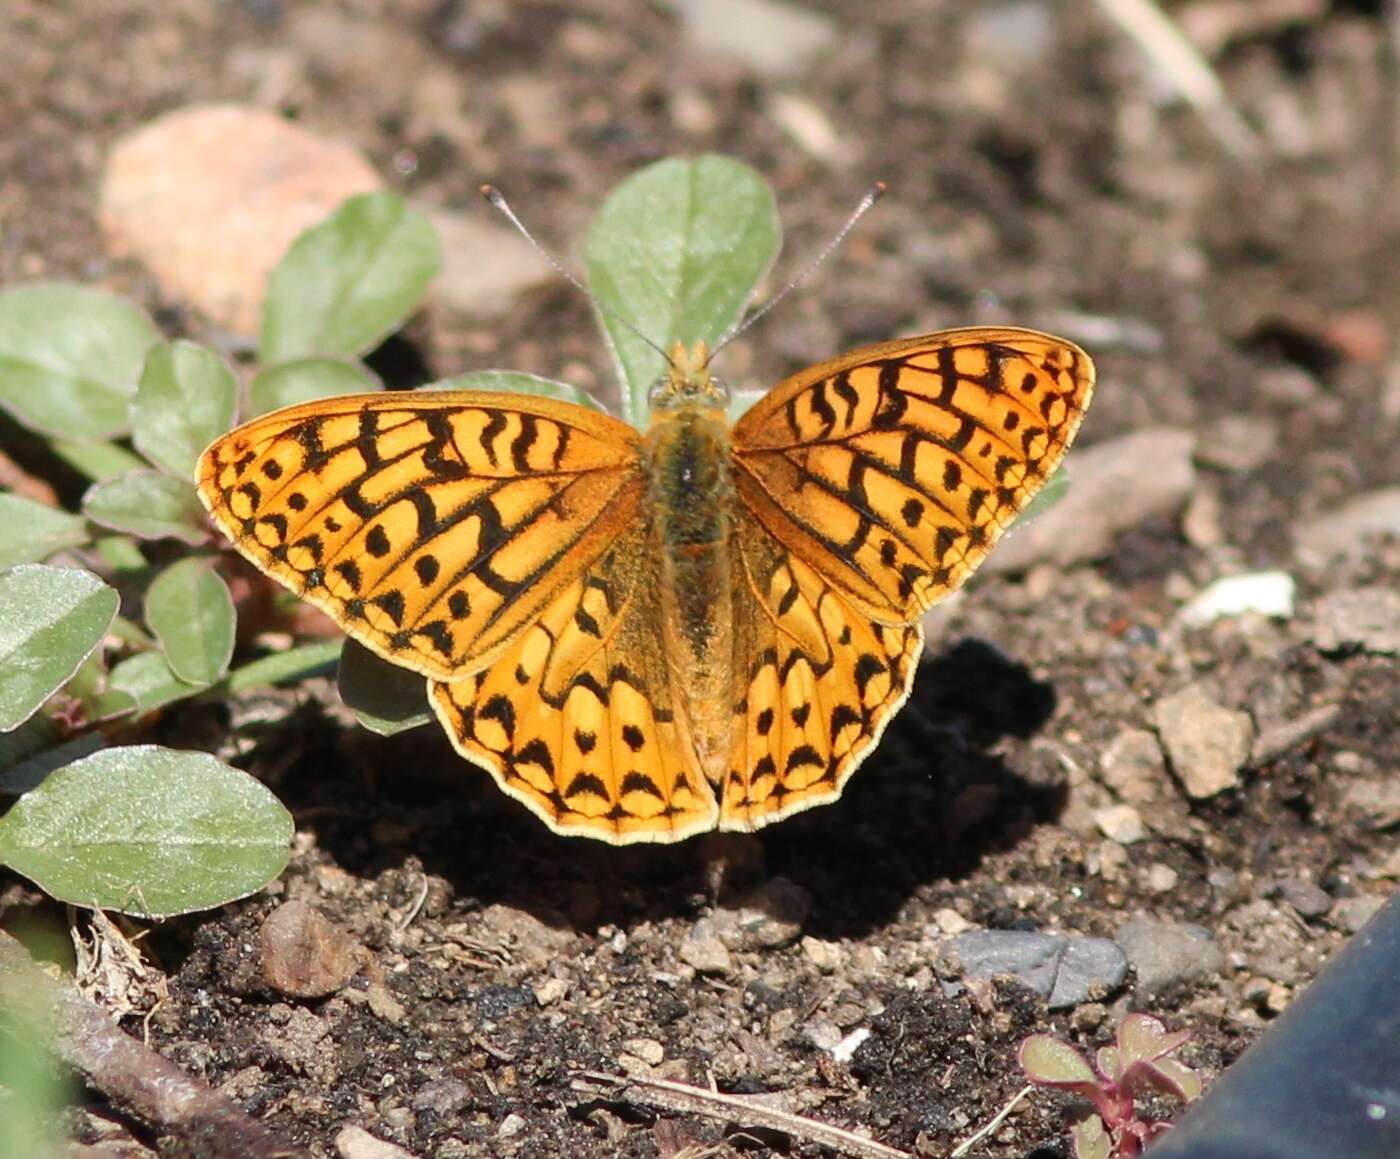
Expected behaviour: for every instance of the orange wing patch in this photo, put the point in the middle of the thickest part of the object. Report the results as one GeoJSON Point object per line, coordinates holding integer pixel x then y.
{"type": "Point", "coordinates": [577, 721]}
{"type": "Point", "coordinates": [432, 527]}
{"type": "Point", "coordinates": [818, 682]}
{"type": "Point", "coordinates": [893, 470]}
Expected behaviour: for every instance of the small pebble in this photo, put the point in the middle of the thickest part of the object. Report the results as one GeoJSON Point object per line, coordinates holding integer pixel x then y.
{"type": "Point", "coordinates": [703, 950]}
{"type": "Point", "coordinates": [305, 955]}
{"type": "Point", "coordinates": [1307, 897]}
{"type": "Point", "coordinates": [1345, 529]}
{"type": "Point", "coordinates": [1351, 913]}
{"type": "Point", "coordinates": [1265, 593]}
{"type": "Point", "coordinates": [766, 918]}
{"type": "Point", "coordinates": [1365, 618]}
{"type": "Point", "coordinates": [357, 1143]}
{"type": "Point", "coordinates": [1121, 823]}
{"type": "Point", "coordinates": [1206, 742]}
{"type": "Point", "coordinates": [1132, 765]}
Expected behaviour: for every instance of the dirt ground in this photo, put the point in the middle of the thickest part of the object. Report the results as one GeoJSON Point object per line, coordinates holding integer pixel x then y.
{"type": "Point", "coordinates": [1041, 174]}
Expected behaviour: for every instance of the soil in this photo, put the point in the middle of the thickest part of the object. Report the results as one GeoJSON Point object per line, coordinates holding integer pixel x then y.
{"type": "Point", "coordinates": [1039, 174]}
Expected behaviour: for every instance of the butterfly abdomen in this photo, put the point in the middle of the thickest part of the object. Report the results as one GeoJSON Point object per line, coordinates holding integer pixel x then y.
{"type": "Point", "coordinates": [691, 495]}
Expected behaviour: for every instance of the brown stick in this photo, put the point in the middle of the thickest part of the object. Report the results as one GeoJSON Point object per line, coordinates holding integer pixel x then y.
{"type": "Point", "coordinates": [134, 1077]}
{"type": "Point", "coordinates": [739, 1109]}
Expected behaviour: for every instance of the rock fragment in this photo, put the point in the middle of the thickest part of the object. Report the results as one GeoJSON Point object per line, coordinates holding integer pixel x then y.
{"type": "Point", "coordinates": [1206, 742]}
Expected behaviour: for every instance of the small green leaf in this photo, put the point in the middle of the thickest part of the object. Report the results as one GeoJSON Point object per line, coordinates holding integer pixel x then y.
{"type": "Point", "coordinates": [50, 619]}
{"type": "Point", "coordinates": [349, 281]}
{"type": "Point", "coordinates": [386, 698]}
{"type": "Point", "coordinates": [189, 609]}
{"type": "Point", "coordinates": [70, 357]}
{"type": "Point", "coordinates": [88, 686]}
{"type": "Point", "coordinates": [148, 505]}
{"type": "Point", "coordinates": [1051, 492]}
{"type": "Point", "coordinates": [677, 250]}
{"type": "Point", "coordinates": [148, 680]}
{"type": "Point", "coordinates": [34, 736]}
{"type": "Point", "coordinates": [308, 379]}
{"type": "Point", "coordinates": [296, 663]}
{"type": "Point", "coordinates": [184, 402]}
{"type": "Point", "coordinates": [30, 531]}
{"type": "Point", "coordinates": [97, 460]}
{"type": "Point", "coordinates": [149, 831]}
{"type": "Point", "coordinates": [519, 382]}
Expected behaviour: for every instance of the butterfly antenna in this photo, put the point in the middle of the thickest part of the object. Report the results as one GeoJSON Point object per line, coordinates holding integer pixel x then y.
{"type": "Point", "coordinates": [871, 196]}
{"type": "Point", "coordinates": [498, 202]}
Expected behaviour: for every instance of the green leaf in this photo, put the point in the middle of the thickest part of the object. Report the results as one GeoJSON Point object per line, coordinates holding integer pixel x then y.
{"type": "Point", "coordinates": [148, 505]}
{"type": "Point", "coordinates": [30, 531]}
{"type": "Point", "coordinates": [149, 831]}
{"type": "Point", "coordinates": [88, 685]}
{"type": "Point", "coordinates": [304, 660]}
{"type": "Point", "coordinates": [70, 357]}
{"type": "Point", "coordinates": [97, 460]}
{"type": "Point", "coordinates": [677, 250]}
{"type": "Point", "coordinates": [307, 379]}
{"type": "Point", "coordinates": [34, 736]}
{"type": "Point", "coordinates": [1051, 492]}
{"type": "Point", "coordinates": [50, 619]}
{"type": "Point", "coordinates": [184, 402]}
{"type": "Point", "coordinates": [349, 281]}
{"type": "Point", "coordinates": [386, 698]}
{"type": "Point", "coordinates": [190, 610]}
{"type": "Point", "coordinates": [148, 680]}
{"type": "Point", "coordinates": [519, 382]}
{"type": "Point", "coordinates": [33, 1086]}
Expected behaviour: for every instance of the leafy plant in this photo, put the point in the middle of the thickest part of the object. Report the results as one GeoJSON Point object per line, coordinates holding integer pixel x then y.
{"type": "Point", "coordinates": [1140, 1061]}
{"type": "Point", "coordinates": [136, 827]}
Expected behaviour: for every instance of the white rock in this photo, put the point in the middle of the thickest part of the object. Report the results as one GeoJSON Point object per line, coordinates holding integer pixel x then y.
{"type": "Point", "coordinates": [1121, 823]}
{"type": "Point", "coordinates": [774, 39]}
{"type": "Point", "coordinates": [209, 197]}
{"type": "Point", "coordinates": [1266, 593]}
{"type": "Point", "coordinates": [1366, 618]}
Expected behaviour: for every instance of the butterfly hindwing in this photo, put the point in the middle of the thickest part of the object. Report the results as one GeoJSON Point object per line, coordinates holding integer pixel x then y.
{"type": "Point", "coordinates": [893, 470]}
{"type": "Point", "coordinates": [432, 526]}
{"type": "Point", "coordinates": [816, 681]}
{"type": "Point", "coordinates": [577, 718]}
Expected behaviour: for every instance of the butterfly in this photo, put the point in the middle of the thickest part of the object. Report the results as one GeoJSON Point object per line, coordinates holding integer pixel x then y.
{"type": "Point", "coordinates": [643, 636]}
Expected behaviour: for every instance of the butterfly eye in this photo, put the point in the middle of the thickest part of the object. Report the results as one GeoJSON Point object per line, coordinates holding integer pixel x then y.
{"type": "Point", "coordinates": [718, 391]}
{"type": "Point", "coordinates": [661, 394]}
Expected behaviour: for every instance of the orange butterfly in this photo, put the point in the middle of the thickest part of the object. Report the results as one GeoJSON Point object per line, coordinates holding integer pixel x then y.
{"type": "Point", "coordinates": [647, 636]}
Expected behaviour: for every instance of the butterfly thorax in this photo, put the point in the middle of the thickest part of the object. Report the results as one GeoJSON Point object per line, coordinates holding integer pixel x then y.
{"type": "Point", "coordinates": [691, 500]}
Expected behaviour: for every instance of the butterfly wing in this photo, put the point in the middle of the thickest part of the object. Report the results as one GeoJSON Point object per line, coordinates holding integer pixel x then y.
{"type": "Point", "coordinates": [819, 680]}
{"type": "Point", "coordinates": [892, 470]}
{"type": "Point", "coordinates": [433, 527]}
{"type": "Point", "coordinates": [576, 719]}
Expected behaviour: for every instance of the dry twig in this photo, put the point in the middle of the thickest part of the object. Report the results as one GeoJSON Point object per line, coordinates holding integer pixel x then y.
{"type": "Point", "coordinates": [1179, 62]}
{"type": "Point", "coordinates": [743, 1110]}
{"type": "Point", "coordinates": [138, 1080]}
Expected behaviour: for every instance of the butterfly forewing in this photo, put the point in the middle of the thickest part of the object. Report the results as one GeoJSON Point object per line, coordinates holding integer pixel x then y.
{"type": "Point", "coordinates": [892, 470]}
{"type": "Point", "coordinates": [433, 527]}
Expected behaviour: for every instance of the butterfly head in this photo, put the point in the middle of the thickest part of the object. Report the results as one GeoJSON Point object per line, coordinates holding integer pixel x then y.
{"type": "Point", "coordinates": [688, 382]}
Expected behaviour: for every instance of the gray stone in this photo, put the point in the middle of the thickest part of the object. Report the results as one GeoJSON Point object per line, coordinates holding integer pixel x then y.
{"type": "Point", "coordinates": [1345, 528]}
{"type": "Point", "coordinates": [703, 949]}
{"type": "Point", "coordinates": [766, 918]}
{"type": "Point", "coordinates": [445, 1096]}
{"type": "Point", "coordinates": [1132, 765]}
{"type": "Point", "coordinates": [1113, 486]}
{"type": "Point", "coordinates": [1307, 897]}
{"type": "Point", "coordinates": [1168, 954]}
{"type": "Point", "coordinates": [1206, 742]}
{"type": "Point", "coordinates": [1063, 969]}
{"type": "Point", "coordinates": [1239, 442]}
{"type": "Point", "coordinates": [1366, 618]}
{"type": "Point", "coordinates": [1351, 913]}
